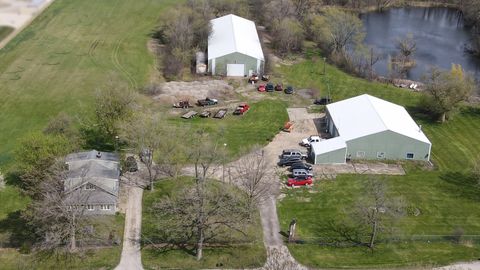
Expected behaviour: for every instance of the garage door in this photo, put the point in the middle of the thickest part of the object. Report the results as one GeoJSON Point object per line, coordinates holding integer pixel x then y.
{"type": "Point", "coordinates": [236, 70]}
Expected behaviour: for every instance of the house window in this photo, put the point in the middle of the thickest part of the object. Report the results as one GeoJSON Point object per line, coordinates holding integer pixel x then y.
{"type": "Point", "coordinates": [410, 155]}
{"type": "Point", "coordinates": [360, 154]}
{"type": "Point", "coordinates": [105, 206]}
{"type": "Point", "coordinates": [90, 207]}
{"type": "Point", "coordinates": [381, 155]}
{"type": "Point", "coordinates": [89, 186]}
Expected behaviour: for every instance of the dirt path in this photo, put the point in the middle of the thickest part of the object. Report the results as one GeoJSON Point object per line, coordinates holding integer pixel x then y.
{"type": "Point", "coordinates": [131, 256]}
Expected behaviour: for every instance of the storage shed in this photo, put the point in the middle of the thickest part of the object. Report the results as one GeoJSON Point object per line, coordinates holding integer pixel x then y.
{"type": "Point", "coordinates": [234, 48]}
{"type": "Point", "coordinates": [371, 128]}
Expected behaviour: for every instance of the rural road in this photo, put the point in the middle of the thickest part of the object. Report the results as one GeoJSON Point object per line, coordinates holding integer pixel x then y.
{"type": "Point", "coordinates": [131, 258]}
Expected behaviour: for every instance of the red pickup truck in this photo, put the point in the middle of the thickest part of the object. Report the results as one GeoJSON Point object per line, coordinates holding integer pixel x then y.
{"type": "Point", "coordinates": [241, 109]}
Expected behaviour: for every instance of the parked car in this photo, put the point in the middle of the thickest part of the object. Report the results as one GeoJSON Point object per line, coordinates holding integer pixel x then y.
{"type": "Point", "coordinates": [279, 87]}
{"type": "Point", "coordinates": [301, 165]}
{"type": "Point", "coordinates": [301, 172]}
{"type": "Point", "coordinates": [300, 181]}
{"type": "Point", "coordinates": [242, 109]}
{"type": "Point", "coordinates": [289, 161]}
{"type": "Point", "coordinates": [307, 142]}
{"type": "Point", "coordinates": [207, 102]}
{"type": "Point", "coordinates": [323, 101]}
{"type": "Point", "coordinates": [261, 88]}
{"type": "Point", "coordinates": [293, 153]}
{"type": "Point", "coordinates": [184, 104]}
{"type": "Point", "coordinates": [289, 90]}
{"type": "Point", "coordinates": [269, 87]}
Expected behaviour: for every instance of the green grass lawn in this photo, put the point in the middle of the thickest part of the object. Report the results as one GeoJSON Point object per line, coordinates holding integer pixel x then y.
{"type": "Point", "coordinates": [70, 50]}
{"type": "Point", "coordinates": [99, 258]}
{"type": "Point", "coordinates": [447, 197]}
{"type": "Point", "coordinates": [262, 122]}
{"type": "Point", "coordinates": [5, 31]}
{"type": "Point", "coordinates": [102, 258]}
{"type": "Point", "coordinates": [248, 253]}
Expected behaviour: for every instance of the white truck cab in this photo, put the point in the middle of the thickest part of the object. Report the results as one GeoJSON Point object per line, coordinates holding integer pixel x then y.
{"type": "Point", "coordinates": [308, 141]}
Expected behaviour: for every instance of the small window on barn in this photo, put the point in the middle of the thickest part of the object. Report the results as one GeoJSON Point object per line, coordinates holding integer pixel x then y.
{"type": "Point", "coordinates": [360, 154]}
{"type": "Point", "coordinates": [90, 207]}
{"type": "Point", "coordinates": [410, 155]}
{"type": "Point", "coordinates": [89, 186]}
{"type": "Point", "coordinates": [105, 206]}
{"type": "Point", "coordinates": [381, 155]}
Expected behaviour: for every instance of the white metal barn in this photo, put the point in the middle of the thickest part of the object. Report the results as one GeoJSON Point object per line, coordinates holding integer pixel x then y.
{"type": "Point", "coordinates": [234, 48]}
{"type": "Point", "coordinates": [371, 128]}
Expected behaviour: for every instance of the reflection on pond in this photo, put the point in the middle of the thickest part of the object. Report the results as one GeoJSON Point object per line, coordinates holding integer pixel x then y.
{"type": "Point", "coordinates": [439, 33]}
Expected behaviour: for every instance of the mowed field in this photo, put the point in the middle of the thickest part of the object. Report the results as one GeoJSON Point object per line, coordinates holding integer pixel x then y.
{"type": "Point", "coordinates": [70, 50]}
{"type": "Point", "coordinates": [447, 198]}
{"type": "Point", "coordinates": [5, 31]}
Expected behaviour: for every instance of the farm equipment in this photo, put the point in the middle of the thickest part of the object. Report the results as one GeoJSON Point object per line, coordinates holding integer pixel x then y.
{"type": "Point", "coordinates": [288, 127]}
{"type": "Point", "coordinates": [183, 104]}
{"type": "Point", "coordinates": [207, 102]}
{"type": "Point", "coordinates": [189, 115]}
{"type": "Point", "coordinates": [242, 109]}
{"type": "Point", "coordinates": [205, 114]}
{"type": "Point", "coordinates": [253, 79]}
{"type": "Point", "coordinates": [220, 113]}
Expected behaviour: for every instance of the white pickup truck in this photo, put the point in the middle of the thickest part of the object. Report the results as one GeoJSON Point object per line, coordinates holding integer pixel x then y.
{"type": "Point", "coordinates": [307, 142]}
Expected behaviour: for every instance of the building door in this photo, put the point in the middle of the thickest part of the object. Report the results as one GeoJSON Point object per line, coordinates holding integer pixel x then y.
{"type": "Point", "coordinates": [236, 70]}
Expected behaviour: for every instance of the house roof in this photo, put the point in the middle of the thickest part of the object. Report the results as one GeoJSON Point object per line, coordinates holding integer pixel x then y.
{"type": "Point", "coordinates": [86, 167]}
{"type": "Point", "coordinates": [326, 146]}
{"type": "Point", "coordinates": [365, 115]}
{"type": "Point", "coordinates": [232, 34]}
{"type": "Point", "coordinates": [92, 155]}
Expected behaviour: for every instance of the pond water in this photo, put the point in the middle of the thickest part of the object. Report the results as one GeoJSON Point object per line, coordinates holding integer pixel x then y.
{"type": "Point", "coordinates": [440, 35]}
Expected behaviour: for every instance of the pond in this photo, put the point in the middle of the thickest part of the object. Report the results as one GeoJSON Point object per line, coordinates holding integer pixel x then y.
{"type": "Point", "coordinates": [440, 35]}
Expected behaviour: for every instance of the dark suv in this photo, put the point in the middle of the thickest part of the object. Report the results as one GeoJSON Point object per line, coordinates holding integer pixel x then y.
{"type": "Point", "coordinates": [288, 161]}
{"type": "Point", "coordinates": [301, 165]}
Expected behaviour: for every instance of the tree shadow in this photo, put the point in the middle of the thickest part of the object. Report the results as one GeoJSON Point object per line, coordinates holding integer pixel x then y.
{"type": "Point", "coordinates": [13, 178]}
{"type": "Point", "coordinates": [18, 230]}
{"type": "Point", "coordinates": [461, 184]}
{"type": "Point", "coordinates": [422, 114]}
{"type": "Point", "coordinates": [470, 110]}
{"type": "Point", "coordinates": [94, 138]}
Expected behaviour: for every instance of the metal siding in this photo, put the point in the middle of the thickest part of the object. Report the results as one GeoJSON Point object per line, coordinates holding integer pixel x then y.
{"type": "Point", "coordinates": [394, 145]}
{"type": "Point", "coordinates": [333, 157]}
{"type": "Point", "coordinates": [234, 58]}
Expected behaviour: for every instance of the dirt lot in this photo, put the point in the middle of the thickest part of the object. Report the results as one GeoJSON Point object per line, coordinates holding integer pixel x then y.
{"type": "Point", "coordinates": [172, 92]}
{"type": "Point", "coordinates": [306, 124]}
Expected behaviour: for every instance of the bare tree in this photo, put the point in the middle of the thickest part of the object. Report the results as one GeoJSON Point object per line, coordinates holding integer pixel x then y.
{"type": "Point", "coordinates": [375, 211]}
{"type": "Point", "coordinates": [58, 217]}
{"type": "Point", "coordinates": [446, 90]}
{"type": "Point", "coordinates": [302, 7]}
{"type": "Point", "coordinates": [288, 34]}
{"type": "Point", "coordinates": [252, 173]}
{"type": "Point", "coordinates": [174, 151]}
{"type": "Point", "coordinates": [382, 4]}
{"type": "Point", "coordinates": [336, 30]}
{"type": "Point", "coordinates": [113, 103]}
{"type": "Point", "coordinates": [144, 133]}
